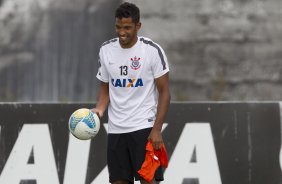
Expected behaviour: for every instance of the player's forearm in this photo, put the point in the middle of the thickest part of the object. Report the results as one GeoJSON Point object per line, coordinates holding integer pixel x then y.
{"type": "Point", "coordinates": [162, 109]}
{"type": "Point", "coordinates": [103, 102]}
{"type": "Point", "coordinates": [103, 98]}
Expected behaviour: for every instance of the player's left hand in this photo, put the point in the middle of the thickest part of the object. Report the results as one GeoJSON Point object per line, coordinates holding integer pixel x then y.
{"type": "Point", "coordinates": [156, 138]}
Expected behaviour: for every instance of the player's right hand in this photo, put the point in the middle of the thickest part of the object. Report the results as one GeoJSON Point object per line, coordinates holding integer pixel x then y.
{"type": "Point", "coordinates": [99, 112]}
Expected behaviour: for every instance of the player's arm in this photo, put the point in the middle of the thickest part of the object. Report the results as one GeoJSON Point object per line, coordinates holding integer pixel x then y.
{"type": "Point", "coordinates": [162, 84]}
{"type": "Point", "coordinates": [103, 99]}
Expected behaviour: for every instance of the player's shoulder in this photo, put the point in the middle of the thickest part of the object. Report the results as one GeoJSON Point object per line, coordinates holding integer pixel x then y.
{"type": "Point", "coordinates": [148, 42]}
{"type": "Point", "coordinates": [110, 43]}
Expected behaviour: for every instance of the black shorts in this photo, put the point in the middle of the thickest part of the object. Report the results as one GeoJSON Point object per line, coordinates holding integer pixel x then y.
{"type": "Point", "coordinates": [126, 153]}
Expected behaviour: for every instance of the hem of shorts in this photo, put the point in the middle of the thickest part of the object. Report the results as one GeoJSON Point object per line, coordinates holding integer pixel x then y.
{"type": "Point", "coordinates": [159, 179]}
{"type": "Point", "coordinates": [156, 179]}
{"type": "Point", "coordinates": [129, 130]}
{"type": "Point", "coordinates": [114, 180]}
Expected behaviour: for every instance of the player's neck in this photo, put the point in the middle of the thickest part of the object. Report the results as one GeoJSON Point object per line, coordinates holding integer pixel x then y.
{"type": "Point", "coordinates": [131, 44]}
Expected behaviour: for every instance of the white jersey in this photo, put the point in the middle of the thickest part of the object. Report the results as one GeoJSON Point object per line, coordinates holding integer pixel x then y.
{"type": "Point", "coordinates": [131, 73]}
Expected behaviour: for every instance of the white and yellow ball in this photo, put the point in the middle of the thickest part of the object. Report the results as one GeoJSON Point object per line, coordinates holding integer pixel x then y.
{"type": "Point", "coordinates": [84, 124]}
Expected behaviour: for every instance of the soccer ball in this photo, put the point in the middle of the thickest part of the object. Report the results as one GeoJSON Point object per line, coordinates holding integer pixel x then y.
{"type": "Point", "coordinates": [84, 124]}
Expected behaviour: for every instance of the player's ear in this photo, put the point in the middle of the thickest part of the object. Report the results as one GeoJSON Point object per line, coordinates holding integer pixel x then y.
{"type": "Point", "coordinates": [138, 25]}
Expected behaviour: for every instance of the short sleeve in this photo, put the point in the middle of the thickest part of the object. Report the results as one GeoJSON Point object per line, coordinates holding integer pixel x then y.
{"type": "Point", "coordinates": [160, 63]}
{"type": "Point", "coordinates": [102, 74]}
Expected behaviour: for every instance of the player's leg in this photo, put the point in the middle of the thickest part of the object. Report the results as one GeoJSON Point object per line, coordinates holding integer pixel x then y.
{"type": "Point", "coordinates": [119, 162]}
{"type": "Point", "coordinates": [142, 181]}
{"type": "Point", "coordinates": [121, 182]}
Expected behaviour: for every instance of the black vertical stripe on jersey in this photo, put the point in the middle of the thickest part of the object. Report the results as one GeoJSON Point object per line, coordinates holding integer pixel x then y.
{"type": "Point", "coordinates": [99, 62]}
{"type": "Point", "coordinates": [158, 48]}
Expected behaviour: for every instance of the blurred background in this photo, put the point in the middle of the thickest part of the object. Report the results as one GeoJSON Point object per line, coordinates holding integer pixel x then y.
{"type": "Point", "coordinates": [218, 50]}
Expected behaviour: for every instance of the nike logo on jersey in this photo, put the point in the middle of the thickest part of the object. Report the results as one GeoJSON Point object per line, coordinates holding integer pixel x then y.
{"type": "Point", "coordinates": [127, 83]}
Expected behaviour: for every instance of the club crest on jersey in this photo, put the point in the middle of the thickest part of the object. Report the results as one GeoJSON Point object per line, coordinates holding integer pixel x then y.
{"type": "Point", "coordinates": [135, 63]}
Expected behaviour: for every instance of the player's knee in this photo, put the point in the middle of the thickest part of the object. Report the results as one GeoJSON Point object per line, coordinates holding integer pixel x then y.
{"type": "Point", "coordinates": [142, 181]}
{"type": "Point", "coordinates": [121, 182]}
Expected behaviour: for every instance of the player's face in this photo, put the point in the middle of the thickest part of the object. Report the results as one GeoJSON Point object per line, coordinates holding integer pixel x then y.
{"type": "Point", "coordinates": [127, 30]}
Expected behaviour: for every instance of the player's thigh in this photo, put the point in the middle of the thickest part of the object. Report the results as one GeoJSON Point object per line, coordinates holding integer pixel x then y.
{"type": "Point", "coordinates": [118, 158]}
{"type": "Point", "coordinates": [137, 146]}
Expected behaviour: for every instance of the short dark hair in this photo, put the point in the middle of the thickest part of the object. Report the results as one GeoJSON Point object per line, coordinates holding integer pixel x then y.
{"type": "Point", "coordinates": [126, 10]}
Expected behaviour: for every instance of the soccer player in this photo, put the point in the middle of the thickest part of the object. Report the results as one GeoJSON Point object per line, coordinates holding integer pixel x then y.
{"type": "Point", "coordinates": [134, 75]}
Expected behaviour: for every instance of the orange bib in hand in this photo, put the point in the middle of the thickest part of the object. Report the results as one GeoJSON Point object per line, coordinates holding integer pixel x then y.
{"type": "Point", "coordinates": [153, 160]}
